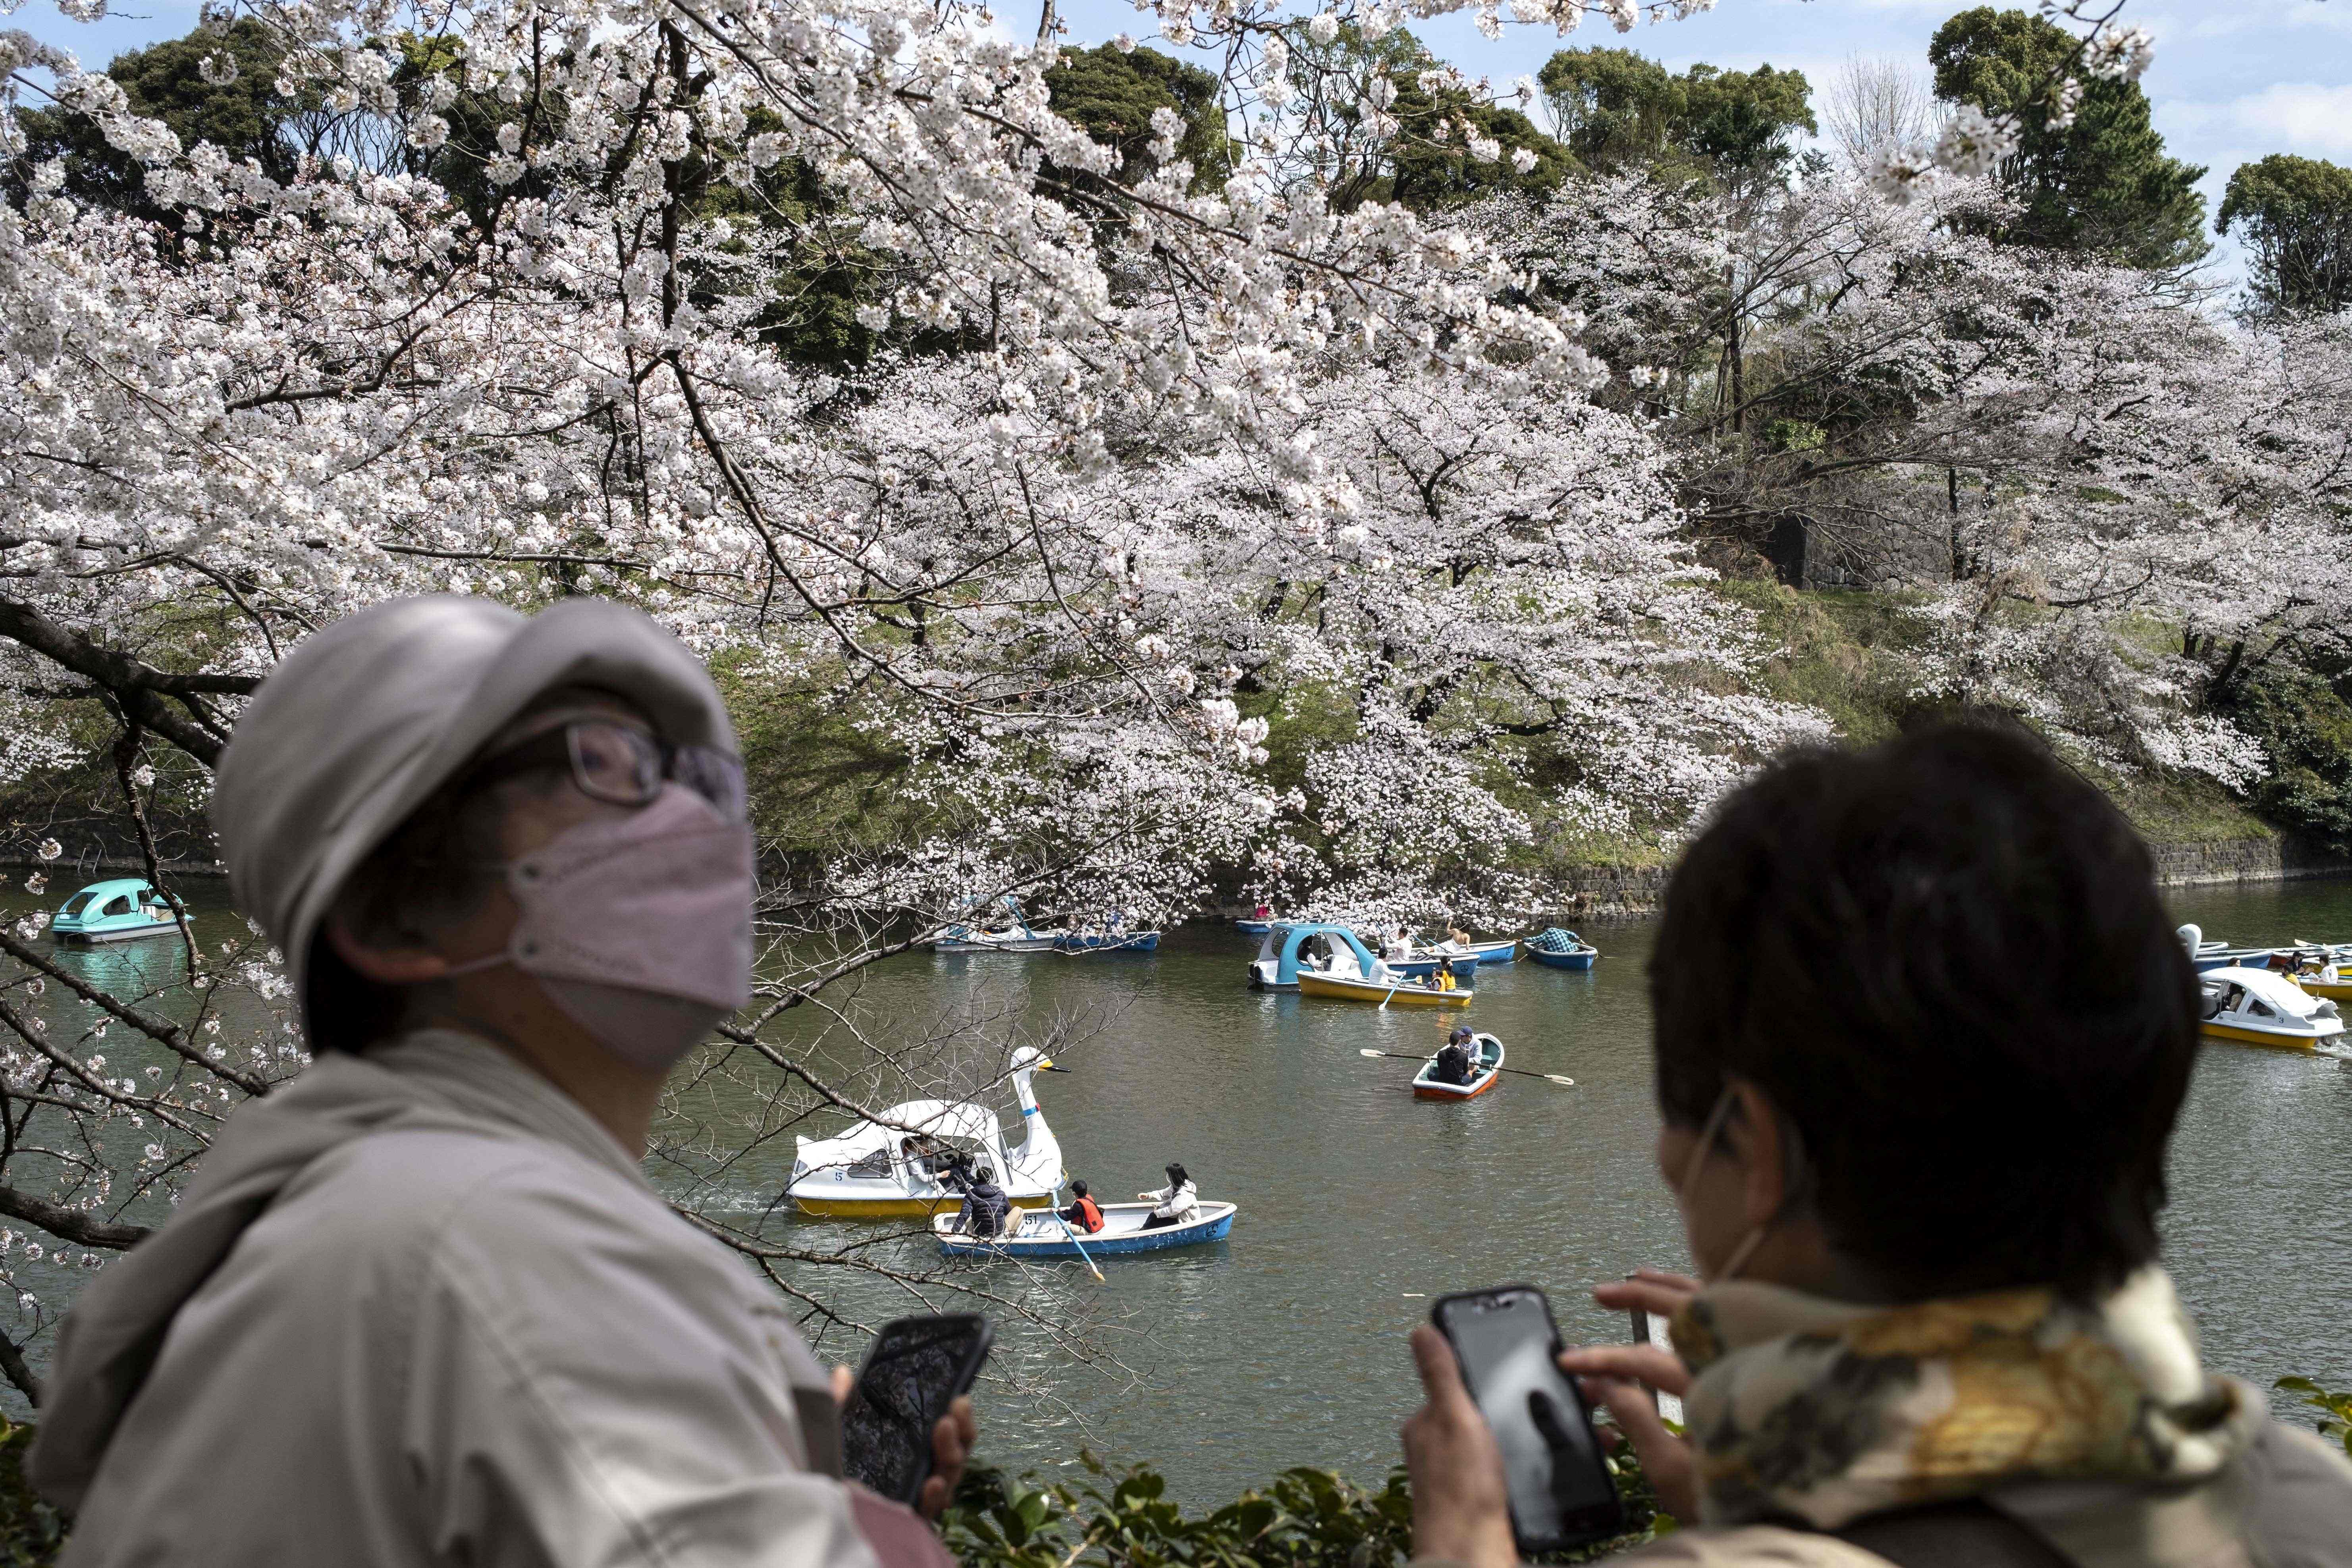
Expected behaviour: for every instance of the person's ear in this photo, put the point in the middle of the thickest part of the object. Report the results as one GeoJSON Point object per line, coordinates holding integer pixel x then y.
{"type": "Point", "coordinates": [391, 964]}
{"type": "Point", "coordinates": [1761, 1146]}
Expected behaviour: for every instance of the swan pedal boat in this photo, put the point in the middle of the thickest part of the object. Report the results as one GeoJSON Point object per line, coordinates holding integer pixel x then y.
{"type": "Point", "coordinates": [1038, 1232]}
{"type": "Point", "coordinates": [866, 1173]}
{"type": "Point", "coordinates": [2258, 1007]}
{"type": "Point", "coordinates": [1426, 1085]}
{"type": "Point", "coordinates": [1558, 949]}
{"type": "Point", "coordinates": [1393, 989]}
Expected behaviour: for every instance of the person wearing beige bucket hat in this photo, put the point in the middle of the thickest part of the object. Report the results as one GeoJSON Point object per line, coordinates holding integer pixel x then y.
{"type": "Point", "coordinates": [420, 1305]}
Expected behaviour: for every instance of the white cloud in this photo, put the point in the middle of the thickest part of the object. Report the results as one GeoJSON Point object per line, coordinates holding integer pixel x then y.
{"type": "Point", "coordinates": [2301, 117]}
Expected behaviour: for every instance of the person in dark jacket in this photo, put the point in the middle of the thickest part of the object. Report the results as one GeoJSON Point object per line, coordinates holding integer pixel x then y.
{"type": "Point", "coordinates": [984, 1203]}
{"type": "Point", "coordinates": [1457, 1060]}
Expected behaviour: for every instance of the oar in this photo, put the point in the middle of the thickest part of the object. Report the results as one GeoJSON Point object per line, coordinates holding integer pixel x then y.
{"type": "Point", "coordinates": [1075, 1242]}
{"type": "Point", "coordinates": [1522, 1072]}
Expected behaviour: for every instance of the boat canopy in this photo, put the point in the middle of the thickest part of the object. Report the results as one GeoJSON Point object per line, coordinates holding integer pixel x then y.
{"type": "Point", "coordinates": [2281, 994]}
{"type": "Point", "coordinates": [1283, 943]}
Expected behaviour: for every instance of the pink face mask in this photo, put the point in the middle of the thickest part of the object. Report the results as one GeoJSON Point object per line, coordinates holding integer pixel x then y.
{"type": "Point", "coordinates": [638, 928]}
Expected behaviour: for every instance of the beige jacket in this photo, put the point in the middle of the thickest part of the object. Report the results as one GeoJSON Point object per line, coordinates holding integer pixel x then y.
{"type": "Point", "coordinates": [418, 1309]}
{"type": "Point", "coordinates": [2287, 1503]}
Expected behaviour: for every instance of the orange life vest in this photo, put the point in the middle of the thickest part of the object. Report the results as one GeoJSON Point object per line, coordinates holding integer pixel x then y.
{"type": "Point", "coordinates": [1090, 1218]}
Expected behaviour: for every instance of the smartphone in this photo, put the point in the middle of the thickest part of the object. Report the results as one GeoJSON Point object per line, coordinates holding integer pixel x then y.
{"type": "Point", "coordinates": [916, 1368]}
{"type": "Point", "coordinates": [1650, 1330]}
{"type": "Point", "coordinates": [1561, 1493]}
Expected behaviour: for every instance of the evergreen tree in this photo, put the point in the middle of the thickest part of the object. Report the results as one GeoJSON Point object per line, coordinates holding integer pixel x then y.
{"type": "Point", "coordinates": [1111, 95]}
{"type": "Point", "coordinates": [1616, 108]}
{"type": "Point", "coordinates": [207, 88]}
{"type": "Point", "coordinates": [2103, 183]}
{"type": "Point", "coordinates": [2296, 216]}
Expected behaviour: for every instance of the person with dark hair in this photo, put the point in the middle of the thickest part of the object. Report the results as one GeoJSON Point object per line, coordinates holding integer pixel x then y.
{"type": "Point", "coordinates": [421, 1305]}
{"type": "Point", "coordinates": [985, 1204]}
{"type": "Point", "coordinates": [1179, 1201]}
{"type": "Point", "coordinates": [1084, 1213]}
{"type": "Point", "coordinates": [1455, 1058]}
{"type": "Point", "coordinates": [1922, 1032]}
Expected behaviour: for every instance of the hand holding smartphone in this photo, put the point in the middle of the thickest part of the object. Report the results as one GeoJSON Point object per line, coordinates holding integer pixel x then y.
{"type": "Point", "coordinates": [916, 1369]}
{"type": "Point", "coordinates": [1561, 1491]}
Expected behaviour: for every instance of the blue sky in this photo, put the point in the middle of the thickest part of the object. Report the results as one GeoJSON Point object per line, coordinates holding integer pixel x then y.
{"type": "Point", "coordinates": [2234, 79]}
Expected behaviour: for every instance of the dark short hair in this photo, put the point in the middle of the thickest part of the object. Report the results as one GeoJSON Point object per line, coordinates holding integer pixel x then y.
{"type": "Point", "coordinates": [1078, 1189]}
{"type": "Point", "coordinates": [1945, 961]}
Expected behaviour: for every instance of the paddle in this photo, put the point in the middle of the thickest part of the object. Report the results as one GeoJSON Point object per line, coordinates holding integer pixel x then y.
{"type": "Point", "coordinates": [1075, 1242]}
{"type": "Point", "coordinates": [1521, 1072]}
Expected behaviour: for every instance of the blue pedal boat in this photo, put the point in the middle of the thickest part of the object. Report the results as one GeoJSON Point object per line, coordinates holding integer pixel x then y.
{"type": "Point", "coordinates": [1041, 1234]}
{"type": "Point", "coordinates": [115, 910]}
{"type": "Point", "coordinates": [1558, 949]}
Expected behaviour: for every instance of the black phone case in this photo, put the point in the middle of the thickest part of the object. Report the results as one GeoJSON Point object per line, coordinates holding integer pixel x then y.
{"type": "Point", "coordinates": [1593, 1524]}
{"type": "Point", "coordinates": [965, 1377]}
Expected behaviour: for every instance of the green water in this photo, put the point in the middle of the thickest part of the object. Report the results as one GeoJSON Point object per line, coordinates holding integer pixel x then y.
{"type": "Point", "coordinates": [1284, 1344]}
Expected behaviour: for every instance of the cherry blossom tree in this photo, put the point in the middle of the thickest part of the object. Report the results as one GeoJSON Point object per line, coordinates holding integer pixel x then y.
{"type": "Point", "coordinates": [1136, 474]}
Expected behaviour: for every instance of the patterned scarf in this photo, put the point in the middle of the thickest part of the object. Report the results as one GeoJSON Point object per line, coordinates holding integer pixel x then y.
{"type": "Point", "coordinates": [1825, 1410]}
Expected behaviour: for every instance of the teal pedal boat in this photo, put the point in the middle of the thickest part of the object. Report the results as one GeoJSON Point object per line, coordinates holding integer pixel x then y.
{"type": "Point", "coordinates": [114, 910]}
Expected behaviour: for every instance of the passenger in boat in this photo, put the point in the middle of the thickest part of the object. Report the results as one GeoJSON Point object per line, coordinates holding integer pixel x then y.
{"type": "Point", "coordinates": [1457, 1058]}
{"type": "Point", "coordinates": [420, 1305]}
{"type": "Point", "coordinates": [921, 1155]}
{"type": "Point", "coordinates": [1179, 1201]}
{"type": "Point", "coordinates": [1082, 1212]}
{"type": "Point", "coordinates": [984, 1203]}
{"type": "Point", "coordinates": [1921, 1034]}
{"type": "Point", "coordinates": [1399, 946]}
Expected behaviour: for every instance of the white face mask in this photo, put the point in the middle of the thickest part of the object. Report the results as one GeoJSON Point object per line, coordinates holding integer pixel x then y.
{"type": "Point", "coordinates": [639, 927]}
{"type": "Point", "coordinates": [1708, 1132]}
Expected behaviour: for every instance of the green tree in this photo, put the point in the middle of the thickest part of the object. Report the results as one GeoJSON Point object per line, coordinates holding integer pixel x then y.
{"type": "Point", "coordinates": [1111, 96]}
{"type": "Point", "coordinates": [2103, 183]}
{"type": "Point", "coordinates": [1611, 107]}
{"type": "Point", "coordinates": [2296, 216]}
{"type": "Point", "coordinates": [1616, 108]}
{"type": "Point", "coordinates": [1429, 162]}
{"type": "Point", "coordinates": [236, 110]}
{"type": "Point", "coordinates": [1744, 124]}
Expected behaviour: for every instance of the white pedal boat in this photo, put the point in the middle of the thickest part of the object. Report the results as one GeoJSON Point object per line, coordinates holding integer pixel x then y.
{"type": "Point", "coordinates": [868, 1172]}
{"type": "Point", "coordinates": [2260, 1007]}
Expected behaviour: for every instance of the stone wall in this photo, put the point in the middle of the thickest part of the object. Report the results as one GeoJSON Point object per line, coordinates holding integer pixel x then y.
{"type": "Point", "coordinates": [2242, 860]}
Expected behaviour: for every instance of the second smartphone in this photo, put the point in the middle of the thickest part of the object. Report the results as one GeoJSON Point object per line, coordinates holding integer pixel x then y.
{"type": "Point", "coordinates": [1561, 1493]}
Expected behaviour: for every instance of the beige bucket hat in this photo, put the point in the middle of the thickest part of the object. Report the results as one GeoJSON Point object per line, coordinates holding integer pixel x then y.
{"type": "Point", "coordinates": [360, 723]}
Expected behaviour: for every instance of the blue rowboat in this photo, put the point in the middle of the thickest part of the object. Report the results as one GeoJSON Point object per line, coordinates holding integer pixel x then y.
{"type": "Point", "coordinates": [1558, 949]}
{"type": "Point", "coordinates": [1106, 942]}
{"type": "Point", "coordinates": [115, 910]}
{"type": "Point", "coordinates": [1041, 1234]}
{"type": "Point", "coordinates": [1254, 928]}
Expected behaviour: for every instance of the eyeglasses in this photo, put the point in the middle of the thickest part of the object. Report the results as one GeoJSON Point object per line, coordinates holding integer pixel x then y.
{"type": "Point", "coordinates": [618, 762]}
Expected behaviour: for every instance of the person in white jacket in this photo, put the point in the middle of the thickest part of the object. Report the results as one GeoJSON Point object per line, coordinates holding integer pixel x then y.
{"type": "Point", "coordinates": [420, 1305]}
{"type": "Point", "coordinates": [1179, 1201]}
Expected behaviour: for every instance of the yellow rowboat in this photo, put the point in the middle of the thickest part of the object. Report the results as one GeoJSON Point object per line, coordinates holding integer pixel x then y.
{"type": "Point", "coordinates": [2339, 990]}
{"type": "Point", "coordinates": [1396, 993]}
{"type": "Point", "coordinates": [2258, 1007]}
